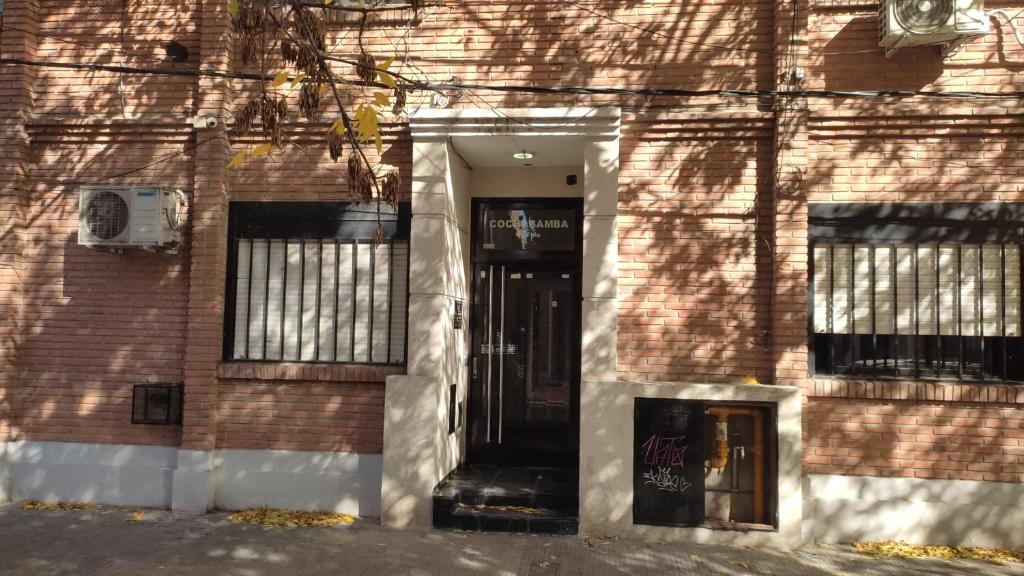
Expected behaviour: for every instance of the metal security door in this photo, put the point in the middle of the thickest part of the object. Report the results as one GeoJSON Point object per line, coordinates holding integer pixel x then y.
{"type": "Point", "coordinates": [526, 370]}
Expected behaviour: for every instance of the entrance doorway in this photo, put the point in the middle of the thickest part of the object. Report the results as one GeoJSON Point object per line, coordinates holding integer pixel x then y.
{"type": "Point", "coordinates": [525, 368]}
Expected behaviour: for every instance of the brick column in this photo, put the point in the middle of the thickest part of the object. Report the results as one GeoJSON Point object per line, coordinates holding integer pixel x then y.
{"type": "Point", "coordinates": [789, 230]}
{"type": "Point", "coordinates": [16, 98]}
{"type": "Point", "coordinates": [193, 480]}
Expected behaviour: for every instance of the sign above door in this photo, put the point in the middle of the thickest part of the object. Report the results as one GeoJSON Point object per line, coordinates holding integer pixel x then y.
{"type": "Point", "coordinates": [512, 227]}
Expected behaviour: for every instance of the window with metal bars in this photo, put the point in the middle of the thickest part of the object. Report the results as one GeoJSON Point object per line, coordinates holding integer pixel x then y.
{"type": "Point", "coordinates": [317, 282]}
{"type": "Point", "coordinates": [917, 290]}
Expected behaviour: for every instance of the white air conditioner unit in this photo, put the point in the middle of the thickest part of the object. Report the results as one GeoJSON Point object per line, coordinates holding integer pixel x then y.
{"type": "Point", "coordinates": [129, 216]}
{"type": "Point", "coordinates": [905, 23]}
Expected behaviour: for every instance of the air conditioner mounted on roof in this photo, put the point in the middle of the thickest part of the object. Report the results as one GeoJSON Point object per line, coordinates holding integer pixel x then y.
{"type": "Point", "coordinates": [129, 216]}
{"type": "Point", "coordinates": [905, 23]}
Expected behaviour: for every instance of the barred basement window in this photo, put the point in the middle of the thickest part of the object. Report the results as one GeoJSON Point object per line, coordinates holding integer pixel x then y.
{"type": "Point", "coordinates": [311, 283]}
{"type": "Point", "coordinates": [886, 306]}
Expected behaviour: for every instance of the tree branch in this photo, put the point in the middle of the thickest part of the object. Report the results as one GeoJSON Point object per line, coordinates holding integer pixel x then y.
{"type": "Point", "coordinates": [325, 68]}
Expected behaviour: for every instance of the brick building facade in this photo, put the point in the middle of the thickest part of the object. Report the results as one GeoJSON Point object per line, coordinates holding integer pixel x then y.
{"type": "Point", "coordinates": [699, 221]}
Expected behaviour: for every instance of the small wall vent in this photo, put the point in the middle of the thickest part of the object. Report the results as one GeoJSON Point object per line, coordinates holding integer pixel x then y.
{"type": "Point", "coordinates": [157, 404]}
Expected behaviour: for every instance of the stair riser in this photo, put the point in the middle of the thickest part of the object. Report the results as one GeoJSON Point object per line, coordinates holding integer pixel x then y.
{"type": "Point", "coordinates": [536, 501]}
{"type": "Point", "coordinates": [483, 523]}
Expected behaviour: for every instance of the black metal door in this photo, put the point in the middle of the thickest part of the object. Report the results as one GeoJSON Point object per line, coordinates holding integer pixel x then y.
{"type": "Point", "coordinates": [526, 366]}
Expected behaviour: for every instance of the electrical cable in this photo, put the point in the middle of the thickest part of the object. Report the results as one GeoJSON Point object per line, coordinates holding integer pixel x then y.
{"type": "Point", "coordinates": [1010, 21]}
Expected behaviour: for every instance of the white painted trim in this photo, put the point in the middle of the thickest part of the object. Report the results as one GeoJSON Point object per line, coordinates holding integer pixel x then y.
{"type": "Point", "coordinates": [193, 480]}
{"type": "Point", "coordinates": [434, 124]}
{"type": "Point", "coordinates": [5, 474]}
{"type": "Point", "coordinates": [917, 510]}
{"type": "Point", "coordinates": [606, 460]}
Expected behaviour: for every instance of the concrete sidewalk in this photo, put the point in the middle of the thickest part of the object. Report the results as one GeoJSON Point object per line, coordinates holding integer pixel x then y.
{"type": "Point", "coordinates": [109, 543]}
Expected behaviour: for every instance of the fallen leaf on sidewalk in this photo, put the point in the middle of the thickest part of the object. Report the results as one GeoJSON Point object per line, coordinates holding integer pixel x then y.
{"type": "Point", "coordinates": [136, 516]}
{"type": "Point", "coordinates": [739, 563]}
{"type": "Point", "coordinates": [274, 518]}
{"type": "Point", "coordinates": [37, 505]}
{"type": "Point", "coordinates": [900, 549]}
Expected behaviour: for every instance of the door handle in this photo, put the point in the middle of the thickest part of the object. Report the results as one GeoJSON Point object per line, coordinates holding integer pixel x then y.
{"type": "Point", "coordinates": [501, 357]}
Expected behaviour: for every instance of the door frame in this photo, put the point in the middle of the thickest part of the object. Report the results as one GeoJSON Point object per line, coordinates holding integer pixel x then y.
{"type": "Point", "coordinates": [478, 448]}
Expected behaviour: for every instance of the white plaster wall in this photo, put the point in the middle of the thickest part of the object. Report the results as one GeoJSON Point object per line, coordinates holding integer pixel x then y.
{"type": "Point", "coordinates": [294, 480]}
{"type": "Point", "coordinates": [919, 511]}
{"type": "Point", "coordinates": [600, 323]}
{"type": "Point", "coordinates": [418, 449]}
{"type": "Point", "coordinates": [527, 182]}
{"type": "Point", "coordinates": [606, 460]}
{"type": "Point", "coordinates": [119, 474]}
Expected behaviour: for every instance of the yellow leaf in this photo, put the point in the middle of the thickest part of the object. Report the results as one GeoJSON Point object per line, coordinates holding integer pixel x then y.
{"type": "Point", "coordinates": [325, 90]}
{"type": "Point", "coordinates": [382, 73]}
{"type": "Point", "coordinates": [298, 79]}
{"type": "Point", "coordinates": [279, 79]}
{"type": "Point", "coordinates": [381, 99]}
{"type": "Point", "coordinates": [338, 127]}
{"type": "Point", "coordinates": [136, 516]}
{"type": "Point", "coordinates": [233, 7]}
{"type": "Point", "coordinates": [750, 379]}
{"type": "Point", "coordinates": [263, 149]}
{"type": "Point", "coordinates": [367, 126]}
{"type": "Point", "coordinates": [237, 159]}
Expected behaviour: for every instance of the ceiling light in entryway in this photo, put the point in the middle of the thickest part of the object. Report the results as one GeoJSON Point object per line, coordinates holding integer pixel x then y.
{"type": "Point", "coordinates": [523, 155]}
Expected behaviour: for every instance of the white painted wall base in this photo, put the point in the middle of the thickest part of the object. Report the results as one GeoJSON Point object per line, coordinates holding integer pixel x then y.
{"type": "Point", "coordinates": [919, 511]}
{"type": "Point", "coordinates": [118, 474]}
{"type": "Point", "coordinates": [192, 480]}
{"type": "Point", "coordinates": [339, 482]}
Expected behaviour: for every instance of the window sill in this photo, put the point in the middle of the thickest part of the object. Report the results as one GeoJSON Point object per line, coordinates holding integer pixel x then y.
{"type": "Point", "coordinates": [306, 372]}
{"type": "Point", "coordinates": [916, 390]}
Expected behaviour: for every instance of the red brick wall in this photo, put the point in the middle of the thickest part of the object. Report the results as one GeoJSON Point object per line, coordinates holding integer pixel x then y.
{"type": "Point", "coordinates": [15, 104]}
{"type": "Point", "coordinates": [98, 322]}
{"type": "Point", "coordinates": [301, 415]}
{"type": "Point", "coordinates": [692, 280]}
{"type": "Point", "coordinates": [918, 439]}
{"type": "Point", "coordinates": [912, 150]}
{"type": "Point", "coordinates": [697, 299]}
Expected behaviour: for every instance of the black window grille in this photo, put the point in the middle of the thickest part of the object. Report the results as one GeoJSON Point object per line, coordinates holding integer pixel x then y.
{"type": "Point", "coordinates": [918, 290]}
{"type": "Point", "coordinates": [313, 282]}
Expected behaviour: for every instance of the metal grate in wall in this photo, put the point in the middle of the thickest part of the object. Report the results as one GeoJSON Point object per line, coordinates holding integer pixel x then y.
{"type": "Point", "coordinates": [303, 300]}
{"type": "Point", "coordinates": [948, 310]}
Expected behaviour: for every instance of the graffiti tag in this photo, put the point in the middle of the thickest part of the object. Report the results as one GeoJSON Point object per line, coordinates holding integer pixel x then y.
{"type": "Point", "coordinates": [665, 480]}
{"type": "Point", "coordinates": [660, 451]}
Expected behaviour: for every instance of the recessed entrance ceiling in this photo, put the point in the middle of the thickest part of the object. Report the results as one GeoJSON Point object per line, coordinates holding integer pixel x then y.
{"type": "Point", "coordinates": [497, 151]}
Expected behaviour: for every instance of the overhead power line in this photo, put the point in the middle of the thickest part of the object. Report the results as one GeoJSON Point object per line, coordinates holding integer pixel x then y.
{"type": "Point", "coordinates": [576, 90]}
